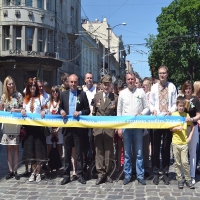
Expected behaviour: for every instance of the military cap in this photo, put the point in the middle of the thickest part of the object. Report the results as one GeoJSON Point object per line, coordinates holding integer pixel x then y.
{"type": "Point", "coordinates": [106, 79]}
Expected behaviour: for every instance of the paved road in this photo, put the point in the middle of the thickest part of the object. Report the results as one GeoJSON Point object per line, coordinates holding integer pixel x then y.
{"type": "Point", "coordinates": [50, 189]}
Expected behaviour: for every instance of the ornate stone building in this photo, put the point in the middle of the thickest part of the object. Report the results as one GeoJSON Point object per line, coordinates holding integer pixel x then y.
{"type": "Point", "coordinates": [37, 38]}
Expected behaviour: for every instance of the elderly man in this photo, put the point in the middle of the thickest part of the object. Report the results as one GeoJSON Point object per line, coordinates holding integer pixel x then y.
{"type": "Point", "coordinates": [105, 104]}
{"type": "Point", "coordinates": [132, 101]}
{"type": "Point", "coordinates": [73, 102]}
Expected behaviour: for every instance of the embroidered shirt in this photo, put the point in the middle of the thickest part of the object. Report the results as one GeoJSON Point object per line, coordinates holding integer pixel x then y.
{"type": "Point", "coordinates": [163, 97]}
{"type": "Point", "coordinates": [154, 98]}
{"type": "Point", "coordinates": [35, 103]}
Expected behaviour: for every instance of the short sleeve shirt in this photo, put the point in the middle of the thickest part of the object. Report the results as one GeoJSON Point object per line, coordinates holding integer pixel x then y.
{"type": "Point", "coordinates": [194, 107]}
{"type": "Point", "coordinates": [180, 137]}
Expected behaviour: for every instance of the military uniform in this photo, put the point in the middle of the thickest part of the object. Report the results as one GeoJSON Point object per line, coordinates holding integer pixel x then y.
{"type": "Point", "coordinates": [103, 138]}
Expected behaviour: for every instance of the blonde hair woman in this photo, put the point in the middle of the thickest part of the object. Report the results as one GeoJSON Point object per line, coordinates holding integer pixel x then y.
{"type": "Point", "coordinates": [146, 85]}
{"type": "Point", "coordinates": [197, 94]}
{"type": "Point", "coordinates": [196, 89]}
{"type": "Point", "coordinates": [11, 101]}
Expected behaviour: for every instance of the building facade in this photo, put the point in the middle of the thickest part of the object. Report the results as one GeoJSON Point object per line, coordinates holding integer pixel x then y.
{"type": "Point", "coordinates": [113, 47]}
{"type": "Point", "coordinates": [37, 38]}
{"type": "Point", "coordinates": [89, 56]}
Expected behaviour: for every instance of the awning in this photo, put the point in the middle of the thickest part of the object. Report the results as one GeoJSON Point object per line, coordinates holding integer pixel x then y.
{"type": "Point", "coordinates": [32, 60]}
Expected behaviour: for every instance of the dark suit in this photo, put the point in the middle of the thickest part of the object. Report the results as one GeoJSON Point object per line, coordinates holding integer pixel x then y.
{"type": "Point", "coordinates": [104, 137]}
{"type": "Point", "coordinates": [71, 135]}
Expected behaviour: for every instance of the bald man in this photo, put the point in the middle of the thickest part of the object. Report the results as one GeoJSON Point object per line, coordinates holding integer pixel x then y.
{"type": "Point", "coordinates": [73, 102]}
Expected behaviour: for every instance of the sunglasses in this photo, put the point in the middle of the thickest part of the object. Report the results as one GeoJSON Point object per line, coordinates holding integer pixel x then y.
{"type": "Point", "coordinates": [31, 85]}
{"type": "Point", "coordinates": [54, 91]}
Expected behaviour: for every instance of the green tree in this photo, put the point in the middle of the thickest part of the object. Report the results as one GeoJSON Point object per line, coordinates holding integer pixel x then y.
{"type": "Point", "coordinates": [177, 44]}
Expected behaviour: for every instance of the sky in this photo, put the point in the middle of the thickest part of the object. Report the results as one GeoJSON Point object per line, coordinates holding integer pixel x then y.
{"type": "Point", "coordinates": [140, 17]}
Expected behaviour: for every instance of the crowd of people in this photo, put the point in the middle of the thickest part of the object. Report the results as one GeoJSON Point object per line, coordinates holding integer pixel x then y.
{"type": "Point", "coordinates": [133, 146]}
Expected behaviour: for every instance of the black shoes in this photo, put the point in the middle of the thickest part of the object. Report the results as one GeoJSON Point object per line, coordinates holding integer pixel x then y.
{"type": "Point", "coordinates": [74, 178]}
{"type": "Point", "coordinates": [65, 180]}
{"type": "Point", "coordinates": [197, 172]}
{"type": "Point", "coordinates": [109, 180]}
{"type": "Point", "coordinates": [126, 181]}
{"type": "Point", "coordinates": [156, 180]}
{"type": "Point", "coordinates": [16, 175]}
{"type": "Point", "coordinates": [165, 179]}
{"type": "Point", "coordinates": [100, 180]}
{"type": "Point", "coordinates": [142, 181]}
{"type": "Point", "coordinates": [180, 184]}
{"type": "Point", "coordinates": [189, 184]}
{"type": "Point", "coordinates": [81, 180]}
{"type": "Point", "coordinates": [103, 179]}
{"type": "Point", "coordinates": [9, 175]}
{"type": "Point", "coordinates": [146, 174]}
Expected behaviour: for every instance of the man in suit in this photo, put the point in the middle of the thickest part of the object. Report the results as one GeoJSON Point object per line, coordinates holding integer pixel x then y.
{"type": "Point", "coordinates": [73, 102]}
{"type": "Point", "coordinates": [105, 104]}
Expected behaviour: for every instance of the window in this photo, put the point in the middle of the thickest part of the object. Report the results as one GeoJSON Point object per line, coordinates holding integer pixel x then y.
{"type": "Point", "coordinates": [50, 34]}
{"type": "Point", "coordinates": [77, 19]}
{"type": "Point", "coordinates": [17, 2]}
{"type": "Point", "coordinates": [40, 40]}
{"type": "Point", "coordinates": [6, 38]}
{"type": "Point", "coordinates": [72, 17]}
{"type": "Point", "coordinates": [60, 10]}
{"type": "Point", "coordinates": [40, 3]}
{"type": "Point", "coordinates": [48, 4]}
{"type": "Point", "coordinates": [47, 76]}
{"type": "Point", "coordinates": [18, 37]}
{"type": "Point", "coordinates": [29, 3]}
{"type": "Point", "coordinates": [70, 52]}
{"type": "Point", "coordinates": [29, 36]}
{"type": "Point", "coordinates": [7, 2]}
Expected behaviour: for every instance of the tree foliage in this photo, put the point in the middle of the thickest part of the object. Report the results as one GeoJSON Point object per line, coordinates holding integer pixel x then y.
{"type": "Point", "coordinates": [177, 44]}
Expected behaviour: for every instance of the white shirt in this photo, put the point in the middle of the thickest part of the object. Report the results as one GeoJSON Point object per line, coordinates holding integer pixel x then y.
{"type": "Point", "coordinates": [132, 103]}
{"type": "Point", "coordinates": [154, 98]}
{"type": "Point", "coordinates": [90, 95]}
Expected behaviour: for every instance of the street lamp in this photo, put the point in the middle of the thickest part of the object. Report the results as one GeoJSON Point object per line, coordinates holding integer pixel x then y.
{"type": "Point", "coordinates": [111, 28]}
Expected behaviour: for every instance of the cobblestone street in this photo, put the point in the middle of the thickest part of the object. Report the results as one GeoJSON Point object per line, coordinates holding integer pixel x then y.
{"type": "Point", "coordinates": [50, 189]}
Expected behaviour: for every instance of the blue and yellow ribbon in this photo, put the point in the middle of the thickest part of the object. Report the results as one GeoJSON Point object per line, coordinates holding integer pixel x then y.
{"type": "Point", "coordinates": [110, 122]}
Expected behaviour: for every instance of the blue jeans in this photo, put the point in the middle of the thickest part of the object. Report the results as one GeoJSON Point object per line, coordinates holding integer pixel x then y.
{"type": "Point", "coordinates": [133, 136]}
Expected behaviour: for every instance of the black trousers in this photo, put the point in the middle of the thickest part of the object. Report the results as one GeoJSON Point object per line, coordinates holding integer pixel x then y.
{"type": "Point", "coordinates": [165, 152]}
{"type": "Point", "coordinates": [72, 135]}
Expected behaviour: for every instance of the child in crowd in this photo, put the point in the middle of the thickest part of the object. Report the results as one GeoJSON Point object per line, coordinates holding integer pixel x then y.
{"type": "Point", "coordinates": [180, 142]}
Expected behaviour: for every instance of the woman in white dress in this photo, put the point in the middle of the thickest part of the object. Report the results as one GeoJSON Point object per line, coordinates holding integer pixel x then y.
{"type": "Point", "coordinates": [34, 143]}
{"type": "Point", "coordinates": [11, 101]}
{"type": "Point", "coordinates": [56, 132]}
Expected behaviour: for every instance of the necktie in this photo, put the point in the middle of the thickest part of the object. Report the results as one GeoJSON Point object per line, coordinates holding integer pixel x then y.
{"type": "Point", "coordinates": [105, 98]}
